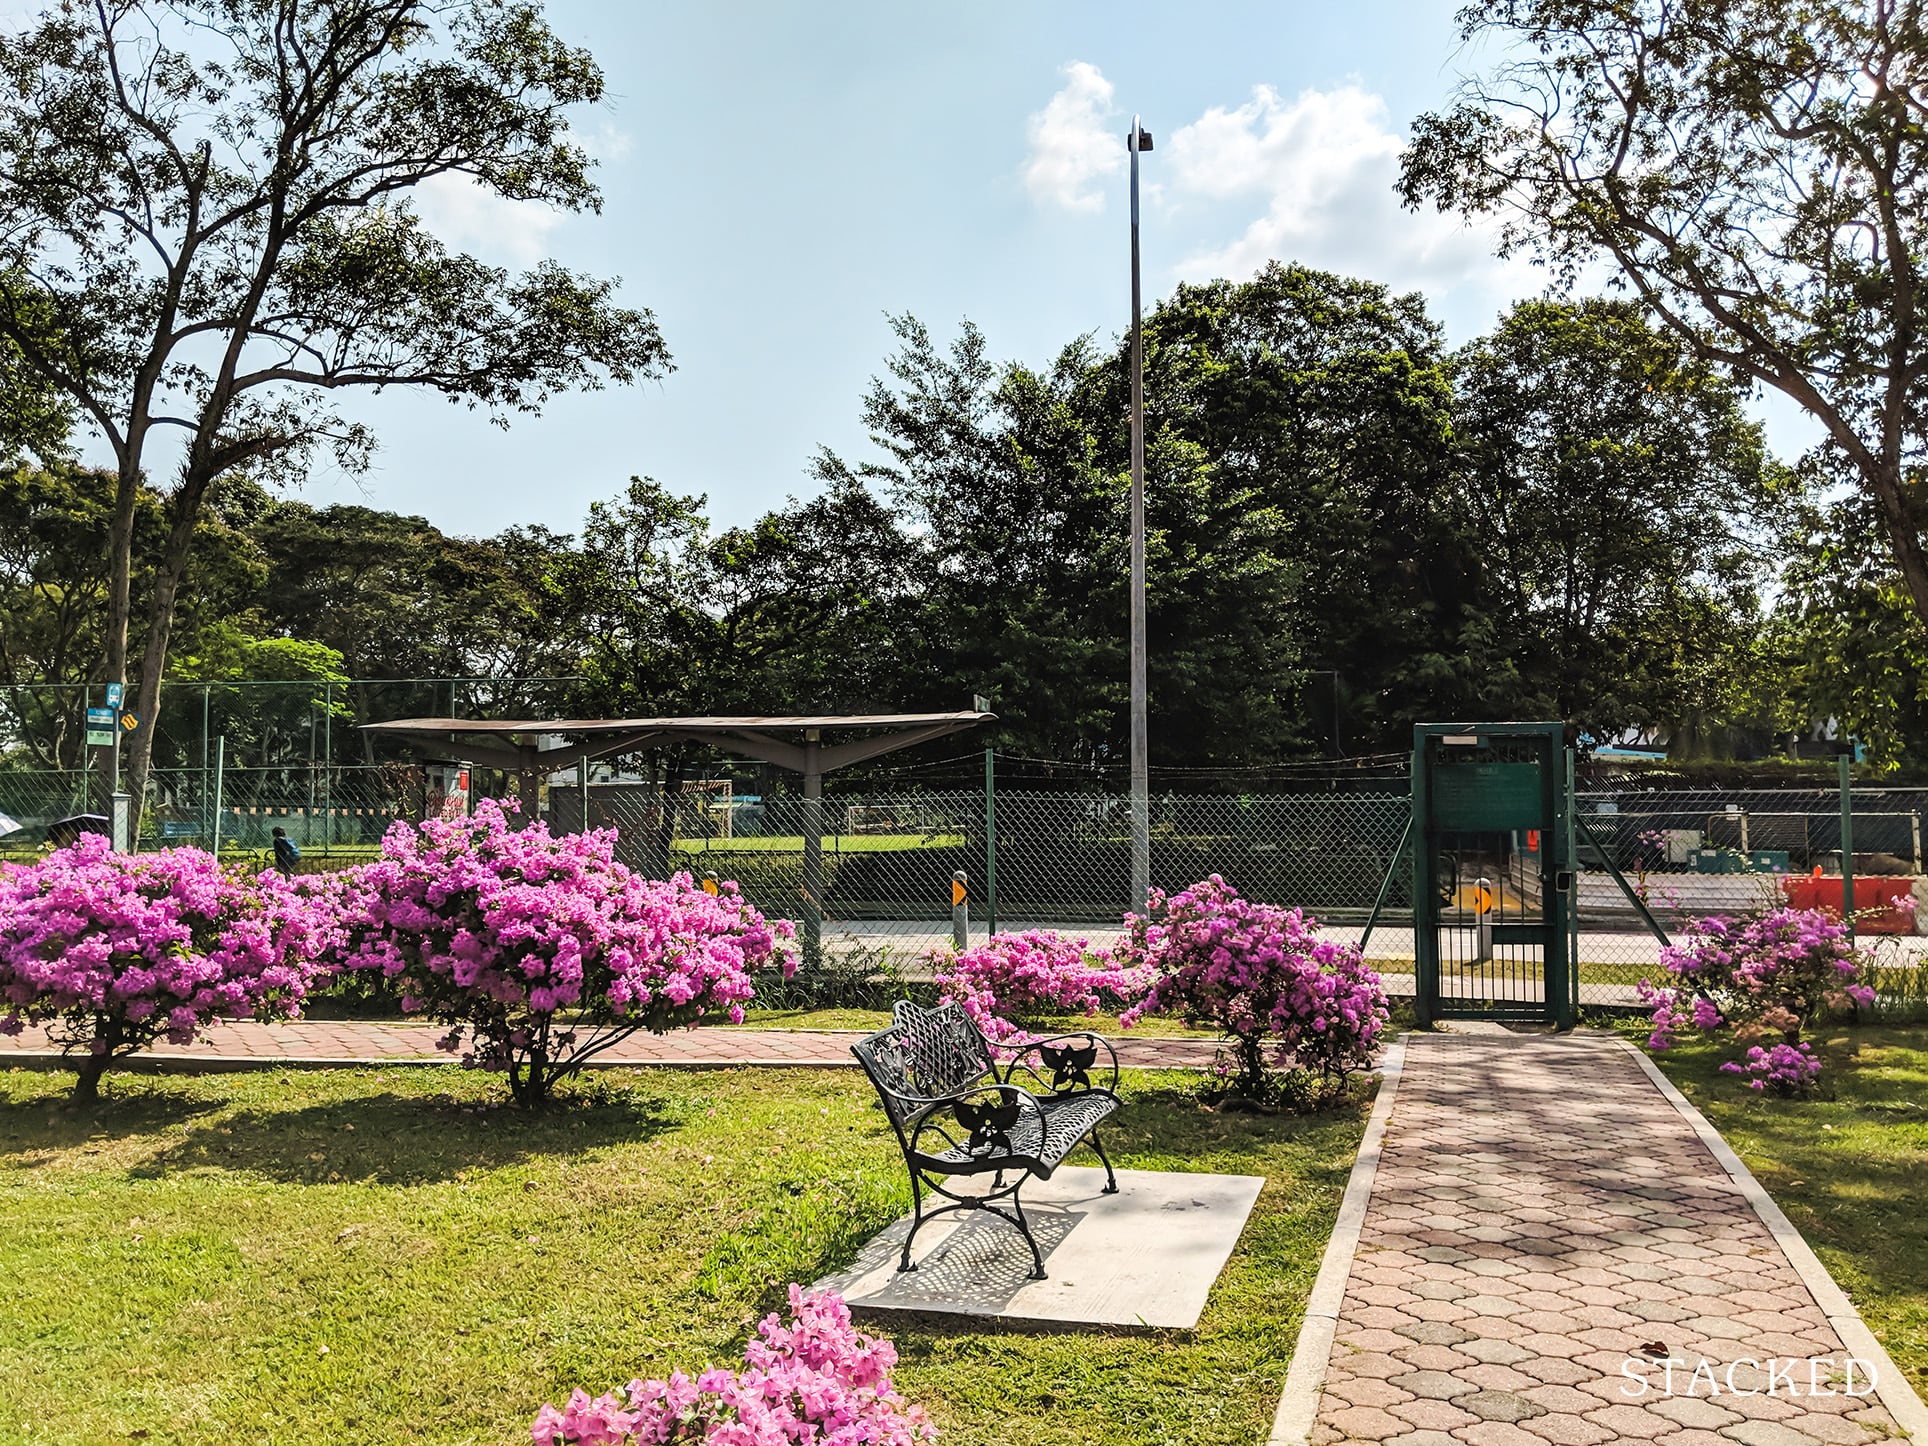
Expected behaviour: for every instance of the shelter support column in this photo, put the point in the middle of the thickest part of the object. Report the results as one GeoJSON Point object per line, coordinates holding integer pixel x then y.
{"type": "Point", "coordinates": [528, 796]}
{"type": "Point", "coordinates": [812, 849]}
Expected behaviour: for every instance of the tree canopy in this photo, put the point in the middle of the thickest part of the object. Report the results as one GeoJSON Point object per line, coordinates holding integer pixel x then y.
{"type": "Point", "coordinates": [1755, 172]}
{"type": "Point", "coordinates": [206, 231]}
{"type": "Point", "coordinates": [1352, 528]}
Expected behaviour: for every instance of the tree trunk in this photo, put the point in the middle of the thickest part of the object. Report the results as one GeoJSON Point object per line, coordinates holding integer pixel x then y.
{"type": "Point", "coordinates": [87, 1079]}
{"type": "Point", "coordinates": [1898, 514]}
{"type": "Point", "coordinates": [120, 559]}
{"type": "Point", "coordinates": [139, 757]}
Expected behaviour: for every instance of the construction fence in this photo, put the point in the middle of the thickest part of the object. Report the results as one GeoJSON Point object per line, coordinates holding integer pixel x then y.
{"type": "Point", "coordinates": [1035, 859]}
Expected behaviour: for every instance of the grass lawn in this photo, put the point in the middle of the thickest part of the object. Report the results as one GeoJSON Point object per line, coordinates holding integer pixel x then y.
{"type": "Point", "coordinates": [1850, 1170]}
{"type": "Point", "coordinates": [385, 1256]}
{"type": "Point", "coordinates": [833, 843]}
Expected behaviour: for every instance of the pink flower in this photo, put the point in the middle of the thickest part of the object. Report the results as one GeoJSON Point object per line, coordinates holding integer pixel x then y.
{"type": "Point", "coordinates": [114, 950]}
{"type": "Point", "coordinates": [817, 1379]}
{"type": "Point", "coordinates": [1773, 971]}
{"type": "Point", "coordinates": [498, 930]}
{"type": "Point", "coordinates": [1262, 973]}
{"type": "Point", "coordinates": [1036, 972]}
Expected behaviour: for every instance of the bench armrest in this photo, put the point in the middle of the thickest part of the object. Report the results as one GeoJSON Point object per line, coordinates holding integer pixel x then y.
{"type": "Point", "coordinates": [1069, 1064]}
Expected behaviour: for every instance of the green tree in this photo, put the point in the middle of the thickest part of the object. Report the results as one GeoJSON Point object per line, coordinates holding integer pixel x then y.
{"type": "Point", "coordinates": [205, 229]}
{"type": "Point", "coordinates": [1844, 642]}
{"type": "Point", "coordinates": [1321, 408]}
{"type": "Point", "coordinates": [54, 525]}
{"type": "Point", "coordinates": [1011, 539]}
{"type": "Point", "coordinates": [1756, 172]}
{"type": "Point", "coordinates": [398, 599]}
{"type": "Point", "coordinates": [1623, 505]}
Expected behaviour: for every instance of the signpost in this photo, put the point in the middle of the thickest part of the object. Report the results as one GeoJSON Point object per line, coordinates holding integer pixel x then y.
{"type": "Point", "coordinates": [960, 911]}
{"type": "Point", "coordinates": [104, 729]}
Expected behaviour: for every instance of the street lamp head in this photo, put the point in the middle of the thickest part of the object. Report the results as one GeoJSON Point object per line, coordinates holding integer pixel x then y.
{"type": "Point", "coordinates": [1141, 139]}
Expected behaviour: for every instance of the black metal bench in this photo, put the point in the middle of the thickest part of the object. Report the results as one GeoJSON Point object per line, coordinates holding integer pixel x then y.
{"type": "Point", "coordinates": [957, 1114]}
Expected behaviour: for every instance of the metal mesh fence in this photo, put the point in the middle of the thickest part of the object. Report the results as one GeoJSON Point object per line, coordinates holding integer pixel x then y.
{"type": "Point", "coordinates": [335, 816]}
{"type": "Point", "coordinates": [1031, 860]}
{"type": "Point", "coordinates": [1062, 860]}
{"type": "Point", "coordinates": [1687, 854]}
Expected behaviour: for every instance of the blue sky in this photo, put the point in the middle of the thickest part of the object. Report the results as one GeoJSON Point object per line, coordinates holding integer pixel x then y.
{"type": "Point", "coordinates": [777, 177]}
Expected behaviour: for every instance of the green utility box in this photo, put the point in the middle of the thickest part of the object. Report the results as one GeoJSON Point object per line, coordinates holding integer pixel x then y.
{"type": "Point", "coordinates": [1732, 861]}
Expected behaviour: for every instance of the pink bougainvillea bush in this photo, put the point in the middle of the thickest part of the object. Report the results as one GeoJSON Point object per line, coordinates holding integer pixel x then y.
{"type": "Point", "coordinates": [1013, 977]}
{"type": "Point", "coordinates": [545, 950]}
{"type": "Point", "coordinates": [113, 951]}
{"type": "Point", "coordinates": [1758, 981]}
{"type": "Point", "coordinates": [1303, 1013]}
{"type": "Point", "coordinates": [817, 1379]}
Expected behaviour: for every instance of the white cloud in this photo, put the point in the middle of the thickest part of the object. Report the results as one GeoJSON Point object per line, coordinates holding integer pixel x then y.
{"type": "Point", "coordinates": [469, 217]}
{"type": "Point", "coordinates": [1074, 142]}
{"type": "Point", "coordinates": [1323, 166]}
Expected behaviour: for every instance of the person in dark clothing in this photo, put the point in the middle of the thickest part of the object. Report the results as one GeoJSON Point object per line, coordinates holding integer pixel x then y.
{"type": "Point", "coordinates": [286, 854]}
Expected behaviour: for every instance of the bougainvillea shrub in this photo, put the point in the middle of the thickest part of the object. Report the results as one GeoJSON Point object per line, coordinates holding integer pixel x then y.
{"type": "Point", "coordinates": [1014, 977]}
{"type": "Point", "coordinates": [1303, 1012]}
{"type": "Point", "coordinates": [818, 1379]}
{"type": "Point", "coordinates": [541, 951]}
{"type": "Point", "coordinates": [1758, 981]}
{"type": "Point", "coordinates": [114, 951]}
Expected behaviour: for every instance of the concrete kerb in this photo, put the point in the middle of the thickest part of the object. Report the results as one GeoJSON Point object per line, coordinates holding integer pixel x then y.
{"type": "Point", "coordinates": [1896, 1394]}
{"type": "Point", "coordinates": [1305, 1378]}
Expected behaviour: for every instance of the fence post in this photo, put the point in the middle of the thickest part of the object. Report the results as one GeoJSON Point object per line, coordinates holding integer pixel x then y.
{"type": "Point", "coordinates": [990, 839]}
{"type": "Point", "coordinates": [812, 849]}
{"type": "Point", "coordinates": [582, 792]}
{"type": "Point", "coordinates": [960, 911]}
{"type": "Point", "coordinates": [1845, 762]}
{"type": "Point", "coordinates": [205, 690]}
{"type": "Point", "coordinates": [220, 760]}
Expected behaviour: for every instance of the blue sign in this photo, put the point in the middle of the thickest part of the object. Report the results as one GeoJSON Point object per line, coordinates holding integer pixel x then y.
{"type": "Point", "coordinates": [104, 717]}
{"type": "Point", "coordinates": [114, 694]}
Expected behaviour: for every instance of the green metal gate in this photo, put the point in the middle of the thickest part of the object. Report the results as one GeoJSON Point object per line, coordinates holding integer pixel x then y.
{"type": "Point", "coordinates": [1492, 873]}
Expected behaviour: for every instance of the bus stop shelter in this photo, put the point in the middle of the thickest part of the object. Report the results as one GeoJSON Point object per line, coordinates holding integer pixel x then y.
{"type": "Point", "coordinates": [807, 744]}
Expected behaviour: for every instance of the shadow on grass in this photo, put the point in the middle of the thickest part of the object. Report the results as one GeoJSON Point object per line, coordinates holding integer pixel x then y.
{"type": "Point", "coordinates": [399, 1139]}
{"type": "Point", "coordinates": [55, 1122]}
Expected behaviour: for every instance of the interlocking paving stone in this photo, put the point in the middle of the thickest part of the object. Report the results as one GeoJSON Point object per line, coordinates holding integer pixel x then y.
{"type": "Point", "coordinates": [1541, 1213]}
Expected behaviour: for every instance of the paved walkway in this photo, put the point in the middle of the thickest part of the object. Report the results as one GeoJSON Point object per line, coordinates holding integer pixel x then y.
{"type": "Point", "coordinates": [324, 1042]}
{"type": "Point", "coordinates": [1542, 1215]}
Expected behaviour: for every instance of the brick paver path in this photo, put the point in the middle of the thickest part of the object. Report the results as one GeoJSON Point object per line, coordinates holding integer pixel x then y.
{"type": "Point", "coordinates": [1542, 1213]}
{"type": "Point", "coordinates": [349, 1041]}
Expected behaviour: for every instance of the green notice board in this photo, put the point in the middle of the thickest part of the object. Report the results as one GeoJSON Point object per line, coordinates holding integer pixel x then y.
{"type": "Point", "coordinates": [1486, 797]}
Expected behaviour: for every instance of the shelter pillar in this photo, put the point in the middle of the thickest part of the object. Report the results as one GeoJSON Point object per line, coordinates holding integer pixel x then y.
{"type": "Point", "coordinates": [527, 791]}
{"type": "Point", "coordinates": [812, 848]}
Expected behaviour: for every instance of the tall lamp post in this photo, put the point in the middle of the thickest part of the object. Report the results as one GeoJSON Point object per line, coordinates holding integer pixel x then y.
{"type": "Point", "coordinates": [1139, 140]}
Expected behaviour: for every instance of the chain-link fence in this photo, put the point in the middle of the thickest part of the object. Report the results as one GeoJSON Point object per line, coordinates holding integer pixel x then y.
{"type": "Point", "coordinates": [335, 815]}
{"type": "Point", "coordinates": [885, 862]}
{"type": "Point", "coordinates": [1653, 861]}
{"type": "Point", "coordinates": [880, 882]}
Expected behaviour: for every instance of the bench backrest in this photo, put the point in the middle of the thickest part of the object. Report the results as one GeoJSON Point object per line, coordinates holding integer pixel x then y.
{"type": "Point", "coordinates": [925, 1053]}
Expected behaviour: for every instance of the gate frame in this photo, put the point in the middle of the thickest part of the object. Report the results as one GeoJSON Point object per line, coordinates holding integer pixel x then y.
{"type": "Point", "coordinates": [1555, 821]}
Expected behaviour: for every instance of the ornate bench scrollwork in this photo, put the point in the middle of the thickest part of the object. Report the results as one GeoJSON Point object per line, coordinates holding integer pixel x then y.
{"type": "Point", "coordinates": [957, 1115]}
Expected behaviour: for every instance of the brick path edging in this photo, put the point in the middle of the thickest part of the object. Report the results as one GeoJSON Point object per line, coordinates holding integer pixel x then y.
{"type": "Point", "coordinates": [1891, 1386]}
{"type": "Point", "coordinates": [350, 1044]}
{"type": "Point", "coordinates": [1305, 1377]}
